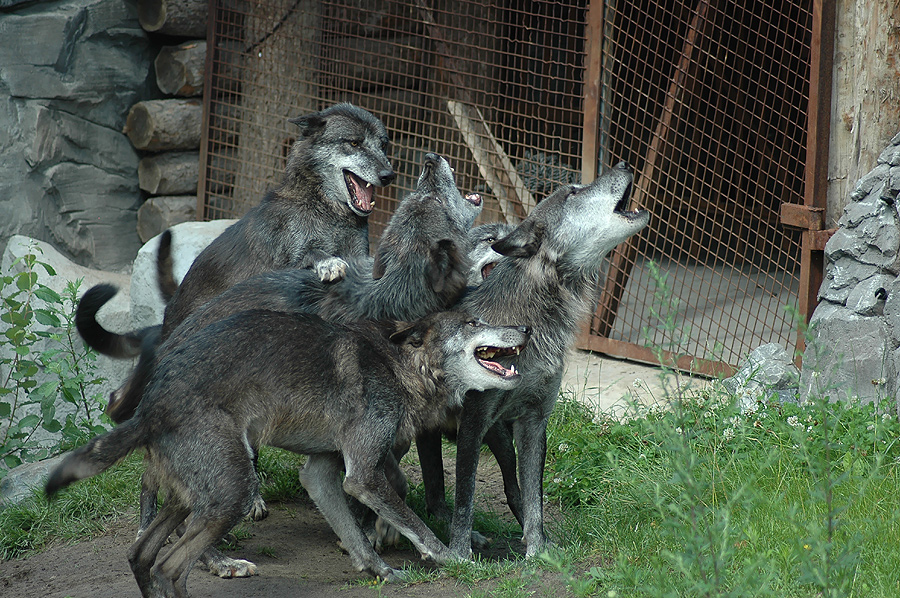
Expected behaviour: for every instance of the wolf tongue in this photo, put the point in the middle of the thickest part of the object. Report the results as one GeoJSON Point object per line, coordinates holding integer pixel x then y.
{"type": "Point", "coordinates": [363, 194]}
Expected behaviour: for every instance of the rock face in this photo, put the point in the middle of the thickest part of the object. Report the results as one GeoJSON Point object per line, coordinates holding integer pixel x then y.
{"type": "Point", "coordinates": [854, 344]}
{"type": "Point", "coordinates": [69, 72]}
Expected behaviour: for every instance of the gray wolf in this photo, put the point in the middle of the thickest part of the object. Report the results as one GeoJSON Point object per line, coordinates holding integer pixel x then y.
{"type": "Point", "coordinates": [420, 266]}
{"type": "Point", "coordinates": [316, 217]}
{"type": "Point", "coordinates": [255, 378]}
{"type": "Point", "coordinates": [546, 281]}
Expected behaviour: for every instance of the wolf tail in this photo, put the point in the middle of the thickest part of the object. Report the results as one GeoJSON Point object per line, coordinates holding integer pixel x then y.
{"type": "Point", "coordinates": [164, 273]}
{"type": "Point", "coordinates": [99, 454]}
{"type": "Point", "coordinates": [124, 401]}
{"type": "Point", "coordinates": [120, 346]}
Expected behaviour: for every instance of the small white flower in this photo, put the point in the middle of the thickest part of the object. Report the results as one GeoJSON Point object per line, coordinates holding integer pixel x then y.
{"type": "Point", "coordinates": [679, 431]}
{"type": "Point", "coordinates": [870, 427]}
{"type": "Point", "coordinates": [886, 417]}
{"type": "Point", "coordinates": [563, 447]}
{"type": "Point", "coordinates": [638, 383]}
{"type": "Point", "coordinates": [794, 421]}
{"type": "Point", "coordinates": [728, 433]}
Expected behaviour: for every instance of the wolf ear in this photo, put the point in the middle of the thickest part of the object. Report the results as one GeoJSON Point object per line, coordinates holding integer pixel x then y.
{"type": "Point", "coordinates": [408, 332]}
{"type": "Point", "coordinates": [378, 267]}
{"type": "Point", "coordinates": [524, 241]}
{"type": "Point", "coordinates": [445, 271]}
{"type": "Point", "coordinates": [309, 124]}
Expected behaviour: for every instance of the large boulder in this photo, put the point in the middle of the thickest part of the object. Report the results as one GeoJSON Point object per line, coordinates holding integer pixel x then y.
{"type": "Point", "coordinates": [69, 72]}
{"type": "Point", "coordinates": [853, 347]}
{"type": "Point", "coordinates": [188, 240]}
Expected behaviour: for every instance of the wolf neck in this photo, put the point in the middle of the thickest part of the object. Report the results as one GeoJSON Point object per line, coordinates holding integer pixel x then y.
{"type": "Point", "coordinates": [427, 392]}
{"type": "Point", "coordinates": [535, 292]}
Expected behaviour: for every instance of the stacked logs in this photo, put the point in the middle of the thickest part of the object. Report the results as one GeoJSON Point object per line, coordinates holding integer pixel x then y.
{"type": "Point", "coordinates": [169, 130]}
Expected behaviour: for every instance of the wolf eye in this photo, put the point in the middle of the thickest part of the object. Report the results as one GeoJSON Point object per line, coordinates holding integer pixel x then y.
{"type": "Point", "coordinates": [353, 142]}
{"type": "Point", "coordinates": [474, 323]}
{"type": "Point", "coordinates": [490, 240]}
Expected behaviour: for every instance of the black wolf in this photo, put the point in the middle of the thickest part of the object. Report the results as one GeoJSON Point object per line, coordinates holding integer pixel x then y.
{"type": "Point", "coordinates": [255, 378]}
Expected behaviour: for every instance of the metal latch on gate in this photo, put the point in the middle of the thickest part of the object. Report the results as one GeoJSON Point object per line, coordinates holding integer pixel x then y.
{"type": "Point", "coordinates": [810, 219]}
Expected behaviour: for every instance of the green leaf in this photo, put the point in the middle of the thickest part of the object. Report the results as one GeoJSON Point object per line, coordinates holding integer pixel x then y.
{"type": "Point", "coordinates": [48, 268]}
{"type": "Point", "coordinates": [26, 280]}
{"type": "Point", "coordinates": [5, 409]}
{"type": "Point", "coordinates": [23, 350]}
{"type": "Point", "coordinates": [29, 421]}
{"type": "Point", "coordinates": [46, 317]}
{"type": "Point", "coordinates": [45, 293]}
{"type": "Point", "coordinates": [12, 461]}
{"type": "Point", "coordinates": [53, 426]}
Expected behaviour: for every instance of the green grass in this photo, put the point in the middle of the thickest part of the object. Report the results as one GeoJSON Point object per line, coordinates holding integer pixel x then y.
{"type": "Point", "coordinates": [698, 500]}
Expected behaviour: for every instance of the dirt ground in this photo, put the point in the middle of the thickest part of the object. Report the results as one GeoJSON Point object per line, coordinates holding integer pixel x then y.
{"type": "Point", "coordinates": [294, 548]}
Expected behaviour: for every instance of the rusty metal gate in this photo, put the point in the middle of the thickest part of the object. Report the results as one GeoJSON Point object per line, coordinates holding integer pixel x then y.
{"type": "Point", "coordinates": [708, 100]}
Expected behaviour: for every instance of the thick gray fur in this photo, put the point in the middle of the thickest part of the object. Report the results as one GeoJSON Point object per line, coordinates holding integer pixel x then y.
{"type": "Point", "coordinates": [255, 378]}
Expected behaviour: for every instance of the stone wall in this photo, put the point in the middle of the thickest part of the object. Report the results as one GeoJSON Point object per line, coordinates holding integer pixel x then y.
{"type": "Point", "coordinates": [855, 330]}
{"type": "Point", "coordinates": [69, 72]}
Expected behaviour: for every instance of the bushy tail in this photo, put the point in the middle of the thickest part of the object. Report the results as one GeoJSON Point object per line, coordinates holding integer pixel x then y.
{"type": "Point", "coordinates": [164, 273]}
{"type": "Point", "coordinates": [120, 346]}
{"type": "Point", "coordinates": [99, 454]}
{"type": "Point", "coordinates": [125, 400]}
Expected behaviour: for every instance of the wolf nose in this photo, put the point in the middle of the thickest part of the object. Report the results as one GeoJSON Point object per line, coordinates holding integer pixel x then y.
{"type": "Point", "coordinates": [526, 330]}
{"type": "Point", "coordinates": [623, 165]}
{"type": "Point", "coordinates": [386, 177]}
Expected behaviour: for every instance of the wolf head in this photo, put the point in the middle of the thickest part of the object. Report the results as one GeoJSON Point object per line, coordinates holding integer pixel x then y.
{"type": "Point", "coordinates": [469, 350]}
{"type": "Point", "coordinates": [579, 224]}
{"type": "Point", "coordinates": [482, 254]}
{"type": "Point", "coordinates": [433, 220]}
{"type": "Point", "coordinates": [345, 147]}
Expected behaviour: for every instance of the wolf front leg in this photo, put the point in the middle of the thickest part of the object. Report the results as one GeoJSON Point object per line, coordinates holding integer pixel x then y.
{"type": "Point", "coordinates": [473, 425]}
{"type": "Point", "coordinates": [531, 442]}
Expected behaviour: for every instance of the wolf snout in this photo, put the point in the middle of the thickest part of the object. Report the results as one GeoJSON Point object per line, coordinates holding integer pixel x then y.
{"type": "Point", "coordinates": [386, 177]}
{"type": "Point", "coordinates": [623, 165]}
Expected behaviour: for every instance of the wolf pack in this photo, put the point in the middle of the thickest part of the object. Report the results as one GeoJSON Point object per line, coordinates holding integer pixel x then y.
{"type": "Point", "coordinates": [285, 332]}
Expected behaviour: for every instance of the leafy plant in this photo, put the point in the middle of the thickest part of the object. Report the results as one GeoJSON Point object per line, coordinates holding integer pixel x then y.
{"type": "Point", "coordinates": [36, 382]}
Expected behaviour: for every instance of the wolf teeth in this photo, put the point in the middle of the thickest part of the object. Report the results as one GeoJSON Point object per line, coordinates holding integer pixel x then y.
{"type": "Point", "coordinates": [368, 184]}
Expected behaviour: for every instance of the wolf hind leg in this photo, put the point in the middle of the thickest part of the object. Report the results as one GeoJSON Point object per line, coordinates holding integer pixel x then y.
{"type": "Point", "coordinates": [321, 476]}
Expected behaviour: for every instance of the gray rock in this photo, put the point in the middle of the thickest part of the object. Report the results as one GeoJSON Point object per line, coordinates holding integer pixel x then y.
{"type": "Point", "coordinates": [164, 211]}
{"type": "Point", "coordinates": [69, 72]}
{"type": "Point", "coordinates": [21, 482]}
{"type": "Point", "coordinates": [768, 372]}
{"type": "Point", "coordinates": [188, 240]}
{"type": "Point", "coordinates": [868, 297]}
{"type": "Point", "coordinates": [847, 355]}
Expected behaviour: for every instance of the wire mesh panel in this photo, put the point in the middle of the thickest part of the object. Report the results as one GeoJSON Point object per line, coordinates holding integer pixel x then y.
{"type": "Point", "coordinates": [496, 90]}
{"type": "Point", "coordinates": [706, 99]}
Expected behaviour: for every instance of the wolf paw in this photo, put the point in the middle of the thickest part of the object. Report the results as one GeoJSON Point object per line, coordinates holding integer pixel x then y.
{"type": "Point", "coordinates": [228, 568]}
{"type": "Point", "coordinates": [331, 269]}
{"type": "Point", "coordinates": [259, 510]}
{"type": "Point", "coordinates": [385, 535]}
{"type": "Point", "coordinates": [480, 541]}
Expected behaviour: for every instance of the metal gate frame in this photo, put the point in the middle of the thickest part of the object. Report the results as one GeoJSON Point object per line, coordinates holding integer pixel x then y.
{"type": "Point", "coordinates": [808, 217]}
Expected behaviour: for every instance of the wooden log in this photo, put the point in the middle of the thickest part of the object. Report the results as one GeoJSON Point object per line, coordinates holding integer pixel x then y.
{"type": "Point", "coordinates": [164, 211]}
{"type": "Point", "coordinates": [171, 173]}
{"type": "Point", "coordinates": [183, 18]}
{"type": "Point", "coordinates": [179, 69]}
{"type": "Point", "coordinates": [172, 124]}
